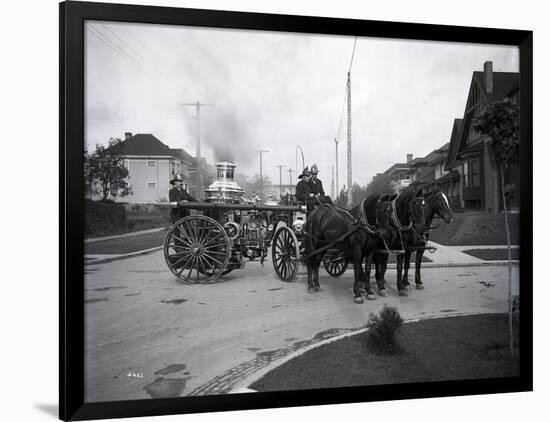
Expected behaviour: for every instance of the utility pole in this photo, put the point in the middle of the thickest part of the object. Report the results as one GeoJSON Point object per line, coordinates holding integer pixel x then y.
{"type": "Point", "coordinates": [280, 178]}
{"type": "Point", "coordinates": [290, 179]}
{"type": "Point", "coordinates": [350, 199]}
{"type": "Point", "coordinates": [261, 176]}
{"type": "Point", "coordinates": [336, 143]}
{"type": "Point", "coordinates": [332, 184]}
{"type": "Point", "coordinates": [198, 106]}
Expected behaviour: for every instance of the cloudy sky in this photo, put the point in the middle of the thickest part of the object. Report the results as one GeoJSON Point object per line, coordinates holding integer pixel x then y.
{"type": "Point", "coordinates": [275, 91]}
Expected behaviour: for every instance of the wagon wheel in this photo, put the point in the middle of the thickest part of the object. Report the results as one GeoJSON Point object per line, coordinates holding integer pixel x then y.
{"type": "Point", "coordinates": [196, 249]}
{"type": "Point", "coordinates": [285, 254]}
{"type": "Point", "coordinates": [335, 265]}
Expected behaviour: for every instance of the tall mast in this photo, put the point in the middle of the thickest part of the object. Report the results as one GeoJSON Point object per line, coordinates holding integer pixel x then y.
{"type": "Point", "coordinates": [350, 199]}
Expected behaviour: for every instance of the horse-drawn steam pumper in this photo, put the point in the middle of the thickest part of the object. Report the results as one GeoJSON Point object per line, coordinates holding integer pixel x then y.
{"type": "Point", "coordinates": [228, 229]}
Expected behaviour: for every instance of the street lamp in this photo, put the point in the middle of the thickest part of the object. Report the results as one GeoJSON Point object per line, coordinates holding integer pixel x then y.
{"type": "Point", "coordinates": [298, 147]}
{"type": "Point", "coordinates": [280, 178]}
{"type": "Point", "coordinates": [261, 176]}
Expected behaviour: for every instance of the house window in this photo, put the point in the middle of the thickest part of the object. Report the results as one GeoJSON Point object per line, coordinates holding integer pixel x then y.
{"type": "Point", "coordinates": [471, 173]}
{"type": "Point", "coordinates": [474, 173]}
{"type": "Point", "coordinates": [173, 167]}
{"type": "Point", "coordinates": [151, 163]}
{"type": "Point", "coordinates": [152, 184]}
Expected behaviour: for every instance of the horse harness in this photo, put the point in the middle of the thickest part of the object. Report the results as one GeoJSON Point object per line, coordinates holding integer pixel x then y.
{"type": "Point", "coordinates": [359, 224]}
{"type": "Point", "coordinates": [402, 228]}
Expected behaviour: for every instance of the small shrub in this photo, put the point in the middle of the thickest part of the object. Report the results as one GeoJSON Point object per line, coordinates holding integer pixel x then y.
{"type": "Point", "coordinates": [382, 331]}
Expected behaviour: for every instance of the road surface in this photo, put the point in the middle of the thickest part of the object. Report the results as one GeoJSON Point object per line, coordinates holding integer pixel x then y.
{"type": "Point", "coordinates": [147, 335]}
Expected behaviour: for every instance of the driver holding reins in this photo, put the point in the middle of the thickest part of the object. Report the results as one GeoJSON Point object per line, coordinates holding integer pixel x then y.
{"type": "Point", "coordinates": [317, 187]}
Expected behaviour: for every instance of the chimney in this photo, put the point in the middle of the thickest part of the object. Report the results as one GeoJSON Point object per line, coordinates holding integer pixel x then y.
{"type": "Point", "coordinates": [409, 158]}
{"type": "Point", "coordinates": [127, 135]}
{"type": "Point", "coordinates": [488, 76]}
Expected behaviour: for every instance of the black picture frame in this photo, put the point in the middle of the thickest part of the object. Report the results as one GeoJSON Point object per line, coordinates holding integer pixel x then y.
{"type": "Point", "coordinates": [72, 16]}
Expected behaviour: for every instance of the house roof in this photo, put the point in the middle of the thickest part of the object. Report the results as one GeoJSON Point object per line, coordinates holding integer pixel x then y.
{"type": "Point", "coordinates": [453, 144]}
{"type": "Point", "coordinates": [182, 154]}
{"type": "Point", "coordinates": [397, 166]}
{"type": "Point", "coordinates": [504, 84]}
{"type": "Point", "coordinates": [144, 144]}
{"type": "Point", "coordinates": [452, 175]}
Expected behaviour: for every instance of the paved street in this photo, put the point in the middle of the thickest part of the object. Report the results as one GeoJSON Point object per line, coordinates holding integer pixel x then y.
{"type": "Point", "coordinates": [147, 335]}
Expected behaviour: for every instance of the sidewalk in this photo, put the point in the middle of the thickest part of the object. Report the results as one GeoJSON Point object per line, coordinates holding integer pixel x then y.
{"type": "Point", "coordinates": [453, 256]}
{"type": "Point", "coordinates": [443, 256]}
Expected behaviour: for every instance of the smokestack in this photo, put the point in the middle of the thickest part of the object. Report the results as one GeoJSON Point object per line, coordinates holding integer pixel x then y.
{"type": "Point", "coordinates": [409, 158]}
{"type": "Point", "coordinates": [488, 76]}
{"type": "Point", "coordinates": [127, 135]}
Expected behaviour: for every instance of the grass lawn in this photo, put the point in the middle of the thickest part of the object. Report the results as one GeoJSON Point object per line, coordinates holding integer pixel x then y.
{"type": "Point", "coordinates": [127, 244]}
{"type": "Point", "coordinates": [492, 254]}
{"type": "Point", "coordinates": [453, 348]}
{"type": "Point", "coordinates": [475, 228]}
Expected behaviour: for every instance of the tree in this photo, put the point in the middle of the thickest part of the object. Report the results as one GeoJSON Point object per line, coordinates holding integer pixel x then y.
{"type": "Point", "coordinates": [500, 123]}
{"type": "Point", "coordinates": [104, 171]}
{"type": "Point", "coordinates": [380, 184]}
{"type": "Point", "coordinates": [342, 199]}
{"type": "Point", "coordinates": [357, 194]}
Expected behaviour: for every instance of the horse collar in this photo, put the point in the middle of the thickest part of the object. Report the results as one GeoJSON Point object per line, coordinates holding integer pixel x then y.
{"type": "Point", "coordinates": [395, 218]}
{"type": "Point", "coordinates": [364, 219]}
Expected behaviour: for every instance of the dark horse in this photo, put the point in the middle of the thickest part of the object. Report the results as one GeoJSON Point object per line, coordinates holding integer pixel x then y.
{"type": "Point", "coordinates": [408, 221]}
{"type": "Point", "coordinates": [437, 204]}
{"type": "Point", "coordinates": [330, 226]}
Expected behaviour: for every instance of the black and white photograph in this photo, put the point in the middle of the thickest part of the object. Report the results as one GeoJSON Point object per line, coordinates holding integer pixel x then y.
{"type": "Point", "coordinates": [269, 211]}
{"type": "Point", "coordinates": [241, 210]}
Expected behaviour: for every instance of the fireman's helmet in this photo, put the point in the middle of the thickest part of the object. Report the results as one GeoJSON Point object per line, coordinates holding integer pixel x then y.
{"type": "Point", "coordinates": [178, 177]}
{"type": "Point", "coordinates": [305, 173]}
{"type": "Point", "coordinates": [314, 169]}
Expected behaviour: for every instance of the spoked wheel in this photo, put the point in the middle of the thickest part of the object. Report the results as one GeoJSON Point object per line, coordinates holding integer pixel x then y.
{"type": "Point", "coordinates": [196, 249]}
{"type": "Point", "coordinates": [285, 254]}
{"type": "Point", "coordinates": [335, 265]}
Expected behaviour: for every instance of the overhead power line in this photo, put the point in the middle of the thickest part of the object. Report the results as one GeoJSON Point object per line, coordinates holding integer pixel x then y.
{"type": "Point", "coordinates": [136, 59]}
{"type": "Point", "coordinates": [158, 71]}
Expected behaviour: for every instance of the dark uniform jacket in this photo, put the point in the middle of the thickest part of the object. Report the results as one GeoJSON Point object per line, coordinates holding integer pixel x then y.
{"type": "Point", "coordinates": [176, 195]}
{"type": "Point", "coordinates": [303, 190]}
{"type": "Point", "coordinates": [317, 186]}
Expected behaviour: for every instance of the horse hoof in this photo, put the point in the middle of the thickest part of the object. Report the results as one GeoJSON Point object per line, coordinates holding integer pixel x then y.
{"type": "Point", "coordinates": [382, 292]}
{"type": "Point", "coordinates": [371, 296]}
{"type": "Point", "coordinates": [420, 286]}
{"type": "Point", "coordinates": [358, 299]}
{"type": "Point", "coordinates": [310, 290]}
{"type": "Point", "coordinates": [403, 292]}
{"type": "Point", "coordinates": [317, 288]}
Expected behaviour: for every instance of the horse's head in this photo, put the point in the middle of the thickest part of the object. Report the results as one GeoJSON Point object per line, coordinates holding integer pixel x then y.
{"type": "Point", "coordinates": [441, 206]}
{"type": "Point", "coordinates": [417, 210]}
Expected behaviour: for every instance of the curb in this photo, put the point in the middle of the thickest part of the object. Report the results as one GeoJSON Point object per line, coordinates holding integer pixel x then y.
{"type": "Point", "coordinates": [124, 256]}
{"type": "Point", "coordinates": [119, 236]}
{"type": "Point", "coordinates": [243, 387]}
{"type": "Point", "coordinates": [390, 266]}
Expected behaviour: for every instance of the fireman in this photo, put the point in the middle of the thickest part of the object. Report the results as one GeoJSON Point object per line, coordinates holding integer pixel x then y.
{"type": "Point", "coordinates": [178, 194]}
{"type": "Point", "coordinates": [304, 191]}
{"type": "Point", "coordinates": [317, 187]}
